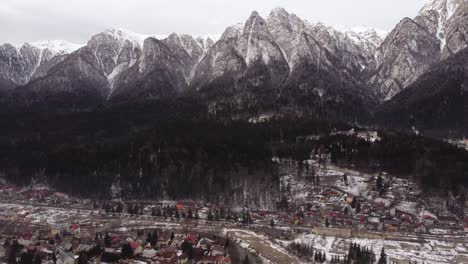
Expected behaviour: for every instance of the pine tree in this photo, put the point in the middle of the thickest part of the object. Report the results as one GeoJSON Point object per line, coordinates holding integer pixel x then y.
{"type": "Point", "coordinates": [83, 258]}
{"type": "Point", "coordinates": [126, 251]}
{"type": "Point", "coordinates": [226, 244]}
{"type": "Point", "coordinates": [149, 238]}
{"type": "Point", "coordinates": [107, 240]}
{"type": "Point", "coordinates": [190, 213]}
{"type": "Point", "coordinates": [383, 257]}
{"type": "Point", "coordinates": [210, 215]}
{"type": "Point", "coordinates": [154, 238]}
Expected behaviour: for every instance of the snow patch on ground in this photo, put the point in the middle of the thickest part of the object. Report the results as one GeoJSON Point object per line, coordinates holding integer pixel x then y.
{"type": "Point", "coordinates": [356, 185]}
{"type": "Point", "coordinates": [431, 252]}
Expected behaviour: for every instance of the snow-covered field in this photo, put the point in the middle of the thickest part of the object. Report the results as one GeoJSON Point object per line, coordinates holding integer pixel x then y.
{"type": "Point", "coordinates": [356, 185]}
{"type": "Point", "coordinates": [430, 251]}
{"type": "Point", "coordinates": [265, 248]}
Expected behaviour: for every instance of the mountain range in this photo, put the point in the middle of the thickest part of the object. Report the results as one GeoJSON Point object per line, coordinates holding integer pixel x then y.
{"type": "Point", "coordinates": [280, 65]}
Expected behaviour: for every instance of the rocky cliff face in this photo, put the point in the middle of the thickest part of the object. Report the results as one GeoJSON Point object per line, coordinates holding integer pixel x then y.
{"type": "Point", "coordinates": [457, 30]}
{"type": "Point", "coordinates": [355, 50]}
{"type": "Point", "coordinates": [158, 73]}
{"type": "Point", "coordinates": [17, 65]}
{"type": "Point", "coordinates": [261, 67]}
{"type": "Point", "coordinates": [20, 65]}
{"type": "Point", "coordinates": [244, 70]}
{"type": "Point", "coordinates": [406, 54]}
{"type": "Point", "coordinates": [116, 50]}
{"type": "Point", "coordinates": [77, 83]}
{"type": "Point", "coordinates": [248, 66]}
{"type": "Point", "coordinates": [436, 103]}
{"type": "Point", "coordinates": [415, 44]}
{"type": "Point", "coordinates": [118, 54]}
{"type": "Point", "coordinates": [187, 50]}
{"type": "Point", "coordinates": [326, 67]}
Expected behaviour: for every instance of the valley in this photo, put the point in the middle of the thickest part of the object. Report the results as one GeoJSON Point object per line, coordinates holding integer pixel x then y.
{"type": "Point", "coordinates": [314, 219]}
{"type": "Point", "coordinates": [281, 140]}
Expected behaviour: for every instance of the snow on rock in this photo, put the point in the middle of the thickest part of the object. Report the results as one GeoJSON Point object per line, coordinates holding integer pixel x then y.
{"type": "Point", "coordinates": [57, 47]}
{"type": "Point", "coordinates": [256, 42]}
{"type": "Point", "coordinates": [124, 34]}
{"type": "Point", "coordinates": [364, 35]}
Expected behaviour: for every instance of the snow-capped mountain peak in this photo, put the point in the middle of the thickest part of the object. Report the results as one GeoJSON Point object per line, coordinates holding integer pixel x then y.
{"type": "Point", "coordinates": [446, 8]}
{"type": "Point", "coordinates": [123, 34]}
{"type": "Point", "coordinates": [362, 30]}
{"type": "Point", "coordinates": [57, 46]}
{"type": "Point", "coordinates": [232, 31]}
{"type": "Point", "coordinates": [257, 42]}
{"type": "Point", "coordinates": [279, 12]}
{"type": "Point", "coordinates": [435, 15]}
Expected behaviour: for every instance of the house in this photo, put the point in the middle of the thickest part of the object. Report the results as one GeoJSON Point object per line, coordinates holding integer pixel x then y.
{"type": "Point", "coordinates": [223, 260]}
{"type": "Point", "coordinates": [82, 248]}
{"type": "Point", "coordinates": [134, 261]}
{"type": "Point", "coordinates": [116, 240]}
{"type": "Point", "coordinates": [209, 260]}
{"type": "Point", "coordinates": [55, 231]}
{"type": "Point", "coordinates": [191, 238]}
{"type": "Point", "coordinates": [186, 205]}
{"type": "Point", "coordinates": [148, 253]}
{"type": "Point", "coordinates": [217, 250]}
{"type": "Point", "coordinates": [177, 241]}
{"type": "Point", "coordinates": [447, 220]}
{"type": "Point", "coordinates": [73, 245]}
{"type": "Point", "coordinates": [407, 227]}
{"type": "Point", "coordinates": [392, 211]}
{"type": "Point", "coordinates": [167, 256]}
{"type": "Point", "coordinates": [362, 224]}
{"type": "Point", "coordinates": [112, 250]}
{"type": "Point", "coordinates": [75, 229]}
{"type": "Point", "coordinates": [61, 195]}
{"type": "Point", "coordinates": [136, 247]}
{"type": "Point", "coordinates": [205, 243]}
{"type": "Point", "coordinates": [164, 239]}
{"type": "Point", "coordinates": [183, 259]}
{"type": "Point", "coordinates": [421, 228]}
{"type": "Point", "coordinates": [25, 239]}
{"type": "Point", "coordinates": [391, 225]}
{"type": "Point", "coordinates": [65, 257]}
{"type": "Point", "coordinates": [428, 220]}
{"type": "Point", "coordinates": [198, 252]}
{"type": "Point", "coordinates": [370, 136]}
{"type": "Point", "coordinates": [406, 218]}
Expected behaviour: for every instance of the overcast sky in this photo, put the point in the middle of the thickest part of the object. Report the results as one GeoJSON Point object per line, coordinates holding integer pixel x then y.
{"type": "Point", "coordinates": [77, 20]}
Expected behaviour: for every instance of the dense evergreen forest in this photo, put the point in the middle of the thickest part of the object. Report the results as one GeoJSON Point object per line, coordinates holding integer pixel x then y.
{"type": "Point", "coordinates": [153, 149]}
{"type": "Point", "coordinates": [432, 163]}
{"type": "Point", "coordinates": [176, 149]}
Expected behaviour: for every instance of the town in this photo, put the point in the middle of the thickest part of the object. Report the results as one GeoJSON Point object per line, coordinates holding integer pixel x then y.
{"type": "Point", "coordinates": [319, 201]}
